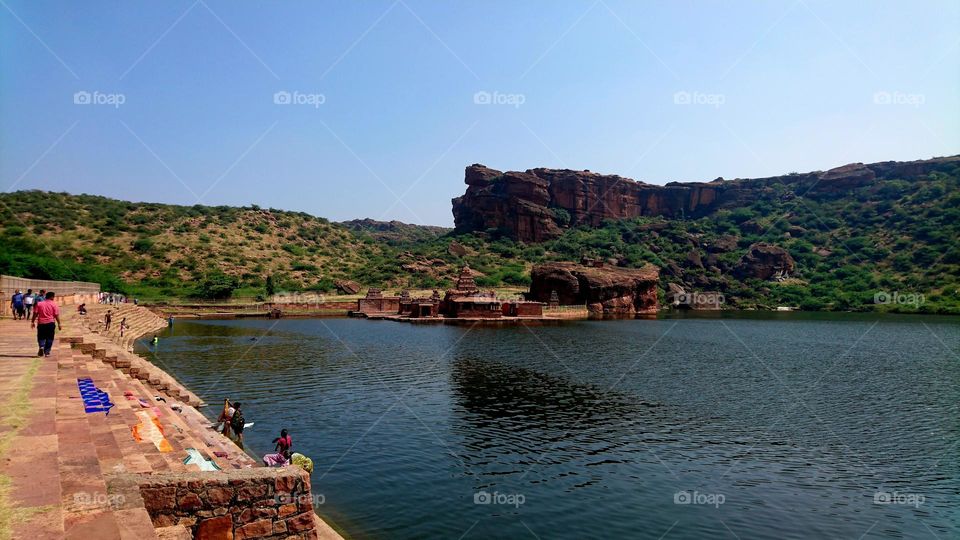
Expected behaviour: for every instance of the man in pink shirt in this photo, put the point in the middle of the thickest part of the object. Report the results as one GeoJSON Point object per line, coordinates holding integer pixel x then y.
{"type": "Point", "coordinates": [46, 318]}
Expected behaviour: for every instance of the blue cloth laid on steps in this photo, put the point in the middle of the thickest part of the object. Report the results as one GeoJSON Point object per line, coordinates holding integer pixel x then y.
{"type": "Point", "coordinates": [94, 399]}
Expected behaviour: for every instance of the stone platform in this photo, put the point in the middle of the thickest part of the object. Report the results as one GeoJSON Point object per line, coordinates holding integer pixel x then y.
{"type": "Point", "coordinates": [68, 473]}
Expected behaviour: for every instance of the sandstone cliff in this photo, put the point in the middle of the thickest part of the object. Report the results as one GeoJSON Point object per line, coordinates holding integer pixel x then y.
{"type": "Point", "coordinates": [606, 290]}
{"type": "Point", "coordinates": [537, 204]}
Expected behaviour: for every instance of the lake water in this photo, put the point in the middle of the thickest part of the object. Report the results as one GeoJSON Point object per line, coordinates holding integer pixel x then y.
{"type": "Point", "coordinates": [739, 426]}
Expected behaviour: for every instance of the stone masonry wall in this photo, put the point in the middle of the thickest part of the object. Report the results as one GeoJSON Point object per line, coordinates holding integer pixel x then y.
{"type": "Point", "coordinates": [267, 503]}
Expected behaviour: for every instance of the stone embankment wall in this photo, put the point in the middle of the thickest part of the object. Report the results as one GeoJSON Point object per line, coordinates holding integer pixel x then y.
{"type": "Point", "coordinates": [69, 293]}
{"type": "Point", "coordinates": [263, 503]}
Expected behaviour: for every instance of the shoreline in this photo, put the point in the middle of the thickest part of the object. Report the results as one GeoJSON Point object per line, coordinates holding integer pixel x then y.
{"type": "Point", "coordinates": [124, 358]}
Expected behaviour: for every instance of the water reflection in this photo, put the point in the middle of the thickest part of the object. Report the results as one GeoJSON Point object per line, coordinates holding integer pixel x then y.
{"type": "Point", "coordinates": [796, 428]}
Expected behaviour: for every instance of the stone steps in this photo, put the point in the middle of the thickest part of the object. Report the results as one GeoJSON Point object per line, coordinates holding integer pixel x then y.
{"type": "Point", "coordinates": [96, 446]}
{"type": "Point", "coordinates": [78, 475]}
{"type": "Point", "coordinates": [102, 349]}
{"type": "Point", "coordinates": [140, 321]}
{"type": "Point", "coordinates": [89, 446]}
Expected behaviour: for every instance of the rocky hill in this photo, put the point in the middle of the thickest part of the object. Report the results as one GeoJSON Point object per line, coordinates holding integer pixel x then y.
{"type": "Point", "coordinates": [539, 204]}
{"type": "Point", "coordinates": [879, 236]}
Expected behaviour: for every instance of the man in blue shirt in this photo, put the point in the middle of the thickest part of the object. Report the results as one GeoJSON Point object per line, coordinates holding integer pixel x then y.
{"type": "Point", "coordinates": [17, 304]}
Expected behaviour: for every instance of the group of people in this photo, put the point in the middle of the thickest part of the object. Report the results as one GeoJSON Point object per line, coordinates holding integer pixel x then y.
{"type": "Point", "coordinates": [234, 423]}
{"type": "Point", "coordinates": [44, 315]}
{"type": "Point", "coordinates": [113, 298]}
{"type": "Point", "coordinates": [232, 419]}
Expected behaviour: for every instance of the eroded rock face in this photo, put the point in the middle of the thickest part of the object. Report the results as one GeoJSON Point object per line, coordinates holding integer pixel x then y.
{"type": "Point", "coordinates": [765, 261]}
{"type": "Point", "coordinates": [538, 204]}
{"type": "Point", "coordinates": [605, 290]}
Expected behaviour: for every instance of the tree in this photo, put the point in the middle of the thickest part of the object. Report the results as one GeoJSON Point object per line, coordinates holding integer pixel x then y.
{"type": "Point", "coordinates": [216, 285]}
{"type": "Point", "coordinates": [270, 285]}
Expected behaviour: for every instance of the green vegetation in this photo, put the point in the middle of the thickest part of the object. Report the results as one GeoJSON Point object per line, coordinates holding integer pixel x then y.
{"type": "Point", "coordinates": [894, 242]}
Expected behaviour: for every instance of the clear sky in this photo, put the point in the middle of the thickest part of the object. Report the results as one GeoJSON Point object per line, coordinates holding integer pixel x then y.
{"type": "Point", "coordinates": [384, 109]}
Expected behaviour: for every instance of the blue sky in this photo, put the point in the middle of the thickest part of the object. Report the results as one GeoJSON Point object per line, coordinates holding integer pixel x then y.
{"type": "Point", "coordinates": [388, 117]}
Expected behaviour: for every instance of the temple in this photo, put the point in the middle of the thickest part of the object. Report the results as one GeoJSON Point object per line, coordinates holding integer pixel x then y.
{"type": "Point", "coordinates": [465, 301]}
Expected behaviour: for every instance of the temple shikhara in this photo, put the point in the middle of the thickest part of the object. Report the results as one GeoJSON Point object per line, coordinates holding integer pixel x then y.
{"type": "Point", "coordinates": [465, 301]}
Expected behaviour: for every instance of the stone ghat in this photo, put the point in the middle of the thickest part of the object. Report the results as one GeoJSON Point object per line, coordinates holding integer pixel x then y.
{"type": "Point", "coordinates": [109, 346]}
{"type": "Point", "coordinates": [73, 471]}
{"type": "Point", "coordinates": [141, 321]}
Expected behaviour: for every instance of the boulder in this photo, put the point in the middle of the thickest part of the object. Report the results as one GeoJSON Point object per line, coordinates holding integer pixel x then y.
{"type": "Point", "coordinates": [693, 259]}
{"type": "Point", "coordinates": [723, 244]}
{"type": "Point", "coordinates": [456, 249]}
{"type": "Point", "coordinates": [765, 261]}
{"type": "Point", "coordinates": [347, 286]}
{"type": "Point", "coordinates": [605, 290]}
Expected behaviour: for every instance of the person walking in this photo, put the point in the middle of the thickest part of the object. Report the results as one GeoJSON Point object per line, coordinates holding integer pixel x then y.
{"type": "Point", "coordinates": [16, 304]}
{"type": "Point", "coordinates": [123, 325]}
{"type": "Point", "coordinates": [28, 301]}
{"type": "Point", "coordinates": [46, 319]}
{"type": "Point", "coordinates": [107, 319]}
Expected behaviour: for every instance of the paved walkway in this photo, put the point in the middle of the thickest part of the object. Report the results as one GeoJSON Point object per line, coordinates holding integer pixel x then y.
{"type": "Point", "coordinates": [30, 496]}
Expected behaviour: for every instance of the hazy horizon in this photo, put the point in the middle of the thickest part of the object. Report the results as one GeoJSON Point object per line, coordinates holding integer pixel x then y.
{"type": "Point", "coordinates": [372, 110]}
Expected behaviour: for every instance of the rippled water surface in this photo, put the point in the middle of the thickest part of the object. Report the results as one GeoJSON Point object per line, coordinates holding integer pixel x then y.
{"type": "Point", "coordinates": [772, 426]}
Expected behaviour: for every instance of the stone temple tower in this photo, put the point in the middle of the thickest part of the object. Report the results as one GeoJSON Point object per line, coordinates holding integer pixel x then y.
{"type": "Point", "coordinates": [465, 282]}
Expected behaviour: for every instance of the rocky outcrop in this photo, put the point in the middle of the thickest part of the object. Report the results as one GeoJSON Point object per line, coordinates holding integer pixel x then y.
{"type": "Point", "coordinates": [538, 204]}
{"type": "Point", "coordinates": [765, 261]}
{"type": "Point", "coordinates": [456, 249]}
{"type": "Point", "coordinates": [605, 290]}
{"type": "Point", "coordinates": [347, 286]}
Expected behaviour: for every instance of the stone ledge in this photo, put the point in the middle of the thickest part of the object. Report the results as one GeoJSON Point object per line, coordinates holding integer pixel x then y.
{"type": "Point", "coordinates": [247, 503]}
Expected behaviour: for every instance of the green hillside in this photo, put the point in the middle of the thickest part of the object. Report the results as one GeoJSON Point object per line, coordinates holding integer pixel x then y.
{"type": "Point", "coordinates": [895, 237]}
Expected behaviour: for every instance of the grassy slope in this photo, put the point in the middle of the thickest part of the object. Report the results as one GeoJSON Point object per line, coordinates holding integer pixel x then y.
{"type": "Point", "coordinates": [896, 236]}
